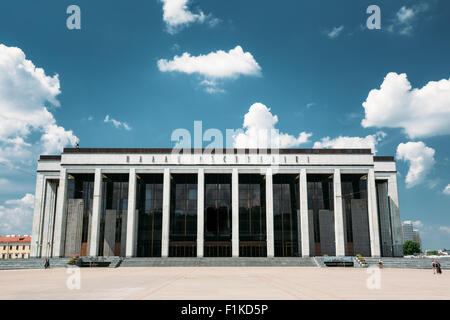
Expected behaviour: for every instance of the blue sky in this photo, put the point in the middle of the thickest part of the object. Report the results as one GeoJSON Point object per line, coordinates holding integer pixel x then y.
{"type": "Point", "coordinates": [312, 63]}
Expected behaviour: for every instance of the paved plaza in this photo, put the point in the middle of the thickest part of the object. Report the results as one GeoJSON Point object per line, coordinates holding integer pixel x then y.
{"type": "Point", "coordinates": [224, 283]}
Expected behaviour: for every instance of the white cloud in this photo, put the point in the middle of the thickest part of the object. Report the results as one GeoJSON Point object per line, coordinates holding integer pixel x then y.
{"type": "Point", "coordinates": [177, 15]}
{"type": "Point", "coordinates": [214, 65]}
{"type": "Point", "coordinates": [16, 215]}
{"type": "Point", "coordinates": [445, 229]}
{"type": "Point", "coordinates": [343, 142]}
{"type": "Point", "coordinates": [447, 190]}
{"type": "Point", "coordinates": [55, 138]}
{"type": "Point", "coordinates": [417, 224]}
{"type": "Point", "coordinates": [335, 32]}
{"type": "Point", "coordinates": [420, 158]}
{"type": "Point", "coordinates": [421, 112]}
{"type": "Point", "coordinates": [24, 91]}
{"type": "Point", "coordinates": [259, 131]}
{"type": "Point", "coordinates": [117, 123]}
{"type": "Point", "coordinates": [405, 17]}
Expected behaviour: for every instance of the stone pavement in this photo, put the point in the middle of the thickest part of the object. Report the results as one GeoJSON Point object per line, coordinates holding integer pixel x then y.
{"type": "Point", "coordinates": [224, 283]}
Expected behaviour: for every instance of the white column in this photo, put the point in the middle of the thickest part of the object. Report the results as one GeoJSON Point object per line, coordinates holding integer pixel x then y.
{"type": "Point", "coordinates": [60, 216]}
{"type": "Point", "coordinates": [304, 214]}
{"type": "Point", "coordinates": [373, 215]}
{"type": "Point", "coordinates": [37, 216]}
{"type": "Point", "coordinates": [269, 213]}
{"type": "Point", "coordinates": [396, 222]}
{"type": "Point", "coordinates": [200, 211]}
{"type": "Point", "coordinates": [235, 212]}
{"type": "Point", "coordinates": [132, 217]}
{"type": "Point", "coordinates": [338, 214]}
{"type": "Point", "coordinates": [48, 219]}
{"type": "Point", "coordinates": [165, 214]}
{"type": "Point", "coordinates": [96, 213]}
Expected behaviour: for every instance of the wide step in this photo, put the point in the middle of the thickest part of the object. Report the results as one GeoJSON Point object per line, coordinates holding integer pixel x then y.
{"type": "Point", "coordinates": [217, 262]}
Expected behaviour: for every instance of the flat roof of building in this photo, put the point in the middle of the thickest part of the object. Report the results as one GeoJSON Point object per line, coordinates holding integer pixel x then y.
{"type": "Point", "coordinates": [214, 151]}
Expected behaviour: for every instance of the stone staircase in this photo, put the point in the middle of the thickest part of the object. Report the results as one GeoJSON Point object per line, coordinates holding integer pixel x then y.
{"type": "Point", "coordinates": [358, 264]}
{"type": "Point", "coordinates": [218, 262]}
{"type": "Point", "coordinates": [32, 263]}
{"type": "Point", "coordinates": [409, 263]}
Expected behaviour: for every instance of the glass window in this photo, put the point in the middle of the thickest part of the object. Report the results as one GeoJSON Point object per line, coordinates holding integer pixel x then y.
{"type": "Point", "coordinates": [252, 216]}
{"type": "Point", "coordinates": [285, 210]}
{"type": "Point", "coordinates": [354, 202]}
{"type": "Point", "coordinates": [149, 206]}
{"type": "Point", "coordinates": [321, 212]}
{"type": "Point", "coordinates": [217, 215]}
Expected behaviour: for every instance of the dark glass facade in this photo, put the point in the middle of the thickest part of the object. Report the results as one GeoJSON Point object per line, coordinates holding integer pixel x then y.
{"type": "Point", "coordinates": [385, 219]}
{"type": "Point", "coordinates": [321, 214]}
{"type": "Point", "coordinates": [183, 215]}
{"type": "Point", "coordinates": [113, 219]}
{"type": "Point", "coordinates": [149, 200]}
{"type": "Point", "coordinates": [81, 186]}
{"type": "Point", "coordinates": [217, 215]}
{"type": "Point", "coordinates": [252, 216]}
{"type": "Point", "coordinates": [285, 215]}
{"type": "Point", "coordinates": [356, 220]}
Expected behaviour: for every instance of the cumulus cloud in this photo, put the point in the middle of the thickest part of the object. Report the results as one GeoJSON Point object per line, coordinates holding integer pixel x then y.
{"type": "Point", "coordinates": [116, 123]}
{"type": "Point", "coordinates": [259, 131]}
{"type": "Point", "coordinates": [177, 15]}
{"type": "Point", "coordinates": [405, 17]}
{"type": "Point", "coordinates": [24, 91]}
{"type": "Point", "coordinates": [343, 142]}
{"type": "Point", "coordinates": [55, 138]}
{"type": "Point", "coordinates": [417, 224]}
{"type": "Point", "coordinates": [447, 190]}
{"type": "Point", "coordinates": [335, 32]}
{"type": "Point", "coordinates": [423, 112]}
{"type": "Point", "coordinates": [16, 215]}
{"type": "Point", "coordinates": [420, 158]}
{"type": "Point", "coordinates": [214, 65]}
{"type": "Point", "coordinates": [445, 229]}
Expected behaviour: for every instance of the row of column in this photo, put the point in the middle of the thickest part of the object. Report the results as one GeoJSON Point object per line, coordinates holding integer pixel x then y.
{"type": "Point", "coordinates": [132, 216]}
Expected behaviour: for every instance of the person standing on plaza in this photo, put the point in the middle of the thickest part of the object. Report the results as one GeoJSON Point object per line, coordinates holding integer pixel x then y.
{"type": "Point", "coordinates": [438, 268]}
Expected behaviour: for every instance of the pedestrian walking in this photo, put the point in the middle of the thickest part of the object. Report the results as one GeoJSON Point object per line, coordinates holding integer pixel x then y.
{"type": "Point", "coordinates": [380, 263]}
{"type": "Point", "coordinates": [46, 263]}
{"type": "Point", "coordinates": [433, 266]}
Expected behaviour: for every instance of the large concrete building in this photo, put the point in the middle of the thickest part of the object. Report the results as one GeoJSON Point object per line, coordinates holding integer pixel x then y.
{"type": "Point", "coordinates": [216, 203]}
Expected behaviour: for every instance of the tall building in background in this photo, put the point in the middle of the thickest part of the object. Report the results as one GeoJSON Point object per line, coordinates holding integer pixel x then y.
{"type": "Point", "coordinates": [216, 203]}
{"type": "Point", "coordinates": [410, 234]}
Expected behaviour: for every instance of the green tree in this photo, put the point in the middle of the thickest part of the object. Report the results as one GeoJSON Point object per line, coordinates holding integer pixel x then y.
{"type": "Point", "coordinates": [410, 248]}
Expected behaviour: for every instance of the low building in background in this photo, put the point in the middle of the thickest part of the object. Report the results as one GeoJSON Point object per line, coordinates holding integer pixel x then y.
{"type": "Point", "coordinates": [15, 247]}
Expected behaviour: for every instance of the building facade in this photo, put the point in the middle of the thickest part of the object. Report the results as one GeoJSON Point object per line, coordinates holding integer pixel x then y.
{"type": "Point", "coordinates": [216, 203]}
{"type": "Point", "coordinates": [15, 247]}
